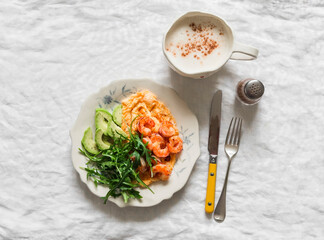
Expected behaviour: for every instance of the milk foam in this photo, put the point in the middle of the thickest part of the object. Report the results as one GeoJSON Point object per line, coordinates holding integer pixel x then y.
{"type": "Point", "coordinates": [183, 38]}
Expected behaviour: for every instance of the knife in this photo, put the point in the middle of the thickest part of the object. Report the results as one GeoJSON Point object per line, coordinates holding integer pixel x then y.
{"type": "Point", "coordinates": [213, 140]}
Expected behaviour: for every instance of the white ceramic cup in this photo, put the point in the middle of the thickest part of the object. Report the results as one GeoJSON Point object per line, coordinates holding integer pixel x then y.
{"type": "Point", "coordinates": [234, 50]}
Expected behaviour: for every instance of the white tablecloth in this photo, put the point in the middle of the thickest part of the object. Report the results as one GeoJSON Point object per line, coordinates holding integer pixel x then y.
{"type": "Point", "coordinates": [54, 53]}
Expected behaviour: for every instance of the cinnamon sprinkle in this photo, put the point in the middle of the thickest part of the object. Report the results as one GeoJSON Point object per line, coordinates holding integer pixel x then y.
{"type": "Point", "coordinates": [200, 41]}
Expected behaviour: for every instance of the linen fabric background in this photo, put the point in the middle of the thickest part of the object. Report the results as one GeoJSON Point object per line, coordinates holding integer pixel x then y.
{"type": "Point", "coordinates": [54, 53]}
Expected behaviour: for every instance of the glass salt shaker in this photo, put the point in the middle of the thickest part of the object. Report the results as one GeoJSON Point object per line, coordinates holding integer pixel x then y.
{"type": "Point", "coordinates": [249, 91]}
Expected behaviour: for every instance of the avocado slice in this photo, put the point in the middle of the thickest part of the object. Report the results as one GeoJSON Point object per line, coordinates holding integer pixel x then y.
{"type": "Point", "coordinates": [115, 130]}
{"type": "Point", "coordinates": [101, 140]}
{"type": "Point", "coordinates": [104, 121]}
{"type": "Point", "coordinates": [102, 118]}
{"type": "Point", "coordinates": [118, 115]}
{"type": "Point", "coordinates": [88, 143]}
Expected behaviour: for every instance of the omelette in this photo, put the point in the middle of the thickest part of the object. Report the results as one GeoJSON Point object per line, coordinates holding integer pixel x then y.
{"type": "Point", "coordinates": [155, 123]}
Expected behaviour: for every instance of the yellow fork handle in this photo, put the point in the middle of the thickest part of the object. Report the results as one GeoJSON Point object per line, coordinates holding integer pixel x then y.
{"type": "Point", "coordinates": [211, 184]}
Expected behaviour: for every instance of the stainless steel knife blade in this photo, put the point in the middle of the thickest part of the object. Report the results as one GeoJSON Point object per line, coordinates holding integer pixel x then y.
{"type": "Point", "coordinates": [214, 123]}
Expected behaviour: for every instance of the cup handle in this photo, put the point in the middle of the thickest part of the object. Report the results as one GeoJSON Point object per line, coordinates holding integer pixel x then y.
{"type": "Point", "coordinates": [244, 52]}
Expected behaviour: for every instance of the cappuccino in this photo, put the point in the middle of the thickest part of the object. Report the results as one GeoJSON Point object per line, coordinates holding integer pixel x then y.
{"type": "Point", "coordinates": [197, 44]}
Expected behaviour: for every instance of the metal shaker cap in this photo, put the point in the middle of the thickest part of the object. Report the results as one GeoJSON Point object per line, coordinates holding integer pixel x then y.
{"type": "Point", "coordinates": [254, 89]}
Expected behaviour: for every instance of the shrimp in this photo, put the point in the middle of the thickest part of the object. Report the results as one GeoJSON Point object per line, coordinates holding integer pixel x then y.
{"type": "Point", "coordinates": [156, 138]}
{"type": "Point", "coordinates": [157, 145]}
{"type": "Point", "coordinates": [145, 125]}
{"type": "Point", "coordinates": [160, 149]}
{"type": "Point", "coordinates": [167, 129]}
{"type": "Point", "coordinates": [164, 170]}
{"type": "Point", "coordinates": [149, 143]}
{"type": "Point", "coordinates": [175, 144]}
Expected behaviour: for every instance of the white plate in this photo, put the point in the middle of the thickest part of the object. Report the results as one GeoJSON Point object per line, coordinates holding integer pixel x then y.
{"type": "Point", "coordinates": [187, 124]}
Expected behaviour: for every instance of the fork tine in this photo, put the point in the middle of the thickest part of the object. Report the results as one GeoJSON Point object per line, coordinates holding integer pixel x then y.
{"type": "Point", "coordinates": [239, 132]}
{"type": "Point", "coordinates": [228, 132]}
{"type": "Point", "coordinates": [233, 132]}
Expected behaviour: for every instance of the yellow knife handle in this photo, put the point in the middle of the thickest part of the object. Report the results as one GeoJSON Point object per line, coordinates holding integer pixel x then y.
{"type": "Point", "coordinates": [211, 184]}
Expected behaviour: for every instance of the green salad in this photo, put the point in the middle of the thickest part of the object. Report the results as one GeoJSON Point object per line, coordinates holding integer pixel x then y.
{"type": "Point", "coordinates": [113, 156]}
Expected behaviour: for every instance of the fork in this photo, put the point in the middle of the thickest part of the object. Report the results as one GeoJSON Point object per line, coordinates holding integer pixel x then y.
{"type": "Point", "coordinates": [232, 143]}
